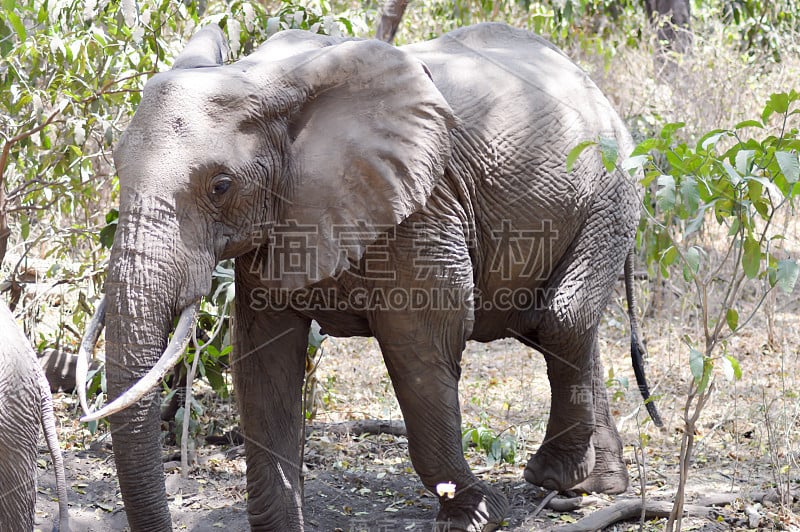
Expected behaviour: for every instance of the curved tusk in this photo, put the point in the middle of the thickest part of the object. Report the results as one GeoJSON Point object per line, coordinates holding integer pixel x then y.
{"type": "Point", "coordinates": [85, 352]}
{"type": "Point", "coordinates": [181, 337]}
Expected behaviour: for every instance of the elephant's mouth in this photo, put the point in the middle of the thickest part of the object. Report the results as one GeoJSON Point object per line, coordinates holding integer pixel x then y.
{"type": "Point", "coordinates": [180, 338]}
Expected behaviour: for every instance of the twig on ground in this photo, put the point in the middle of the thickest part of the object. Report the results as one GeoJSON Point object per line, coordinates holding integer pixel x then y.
{"type": "Point", "coordinates": [629, 509]}
{"type": "Point", "coordinates": [549, 497]}
{"type": "Point", "coordinates": [571, 504]}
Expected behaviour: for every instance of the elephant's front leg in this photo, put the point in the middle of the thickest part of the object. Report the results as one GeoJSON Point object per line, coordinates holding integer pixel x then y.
{"type": "Point", "coordinates": [268, 366]}
{"type": "Point", "coordinates": [422, 352]}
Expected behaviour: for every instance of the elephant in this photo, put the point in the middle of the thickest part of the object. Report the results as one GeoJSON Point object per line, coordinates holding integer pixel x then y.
{"type": "Point", "coordinates": [25, 405]}
{"type": "Point", "coordinates": [415, 194]}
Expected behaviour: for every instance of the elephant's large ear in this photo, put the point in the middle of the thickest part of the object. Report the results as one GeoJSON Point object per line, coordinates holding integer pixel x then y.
{"type": "Point", "coordinates": [207, 48]}
{"type": "Point", "coordinates": [369, 139]}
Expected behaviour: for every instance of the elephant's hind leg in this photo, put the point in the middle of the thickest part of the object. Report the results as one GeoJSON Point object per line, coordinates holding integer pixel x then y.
{"type": "Point", "coordinates": [567, 455]}
{"type": "Point", "coordinates": [567, 459]}
{"type": "Point", "coordinates": [609, 474]}
{"type": "Point", "coordinates": [581, 436]}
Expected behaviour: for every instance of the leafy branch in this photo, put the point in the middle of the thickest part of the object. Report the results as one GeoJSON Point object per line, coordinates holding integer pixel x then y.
{"type": "Point", "coordinates": [743, 188]}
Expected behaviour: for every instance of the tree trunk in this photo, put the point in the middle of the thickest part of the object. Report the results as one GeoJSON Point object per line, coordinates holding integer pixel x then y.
{"type": "Point", "coordinates": [391, 15]}
{"type": "Point", "coordinates": [672, 19]}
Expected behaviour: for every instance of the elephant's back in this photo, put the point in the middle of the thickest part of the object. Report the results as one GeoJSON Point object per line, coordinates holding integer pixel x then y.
{"type": "Point", "coordinates": [522, 106]}
{"type": "Point", "coordinates": [498, 78]}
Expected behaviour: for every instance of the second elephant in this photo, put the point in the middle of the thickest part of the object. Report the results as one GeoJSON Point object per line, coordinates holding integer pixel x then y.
{"type": "Point", "coordinates": [25, 406]}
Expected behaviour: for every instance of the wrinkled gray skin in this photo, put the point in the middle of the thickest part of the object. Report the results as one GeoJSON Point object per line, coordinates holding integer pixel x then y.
{"type": "Point", "coordinates": [425, 154]}
{"type": "Point", "coordinates": [25, 405]}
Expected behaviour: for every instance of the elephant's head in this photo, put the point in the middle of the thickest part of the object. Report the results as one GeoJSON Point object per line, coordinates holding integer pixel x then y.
{"type": "Point", "coordinates": [308, 130]}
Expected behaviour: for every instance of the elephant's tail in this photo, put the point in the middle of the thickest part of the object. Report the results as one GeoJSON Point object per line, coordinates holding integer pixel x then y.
{"type": "Point", "coordinates": [49, 428]}
{"type": "Point", "coordinates": [637, 349]}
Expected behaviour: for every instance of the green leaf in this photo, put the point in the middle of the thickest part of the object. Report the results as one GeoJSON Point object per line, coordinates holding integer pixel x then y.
{"type": "Point", "coordinates": [16, 22]}
{"type": "Point", "coordinates": [735, 224]}
{"type": "Point", "coordinates": [575, 152]}
{"type": "Point", "coordinates": [744, 160]}
{"type": "Point", "coordinates": [495, 452]}
{"type": "Point", "coordinates": [734, 176]}
{"type": "Point", "coordinates": [509, 449]}
{"type": "Point", "coordinates": [754, 189]}
{"type": "Point", "coordinates": [485, 438]}
{"type": "Point", "coordinates": [695, 223]}
{"type": "Point", "coordinates": [467, 437]}
{"type": "Point", "coordinates": [708, 367]}
{"type": "Point", "coordinates": [668, 130]}
{"type": "Point", "coordinates": [690, 194]}
{"type": "Point", "coordinates": [779, 102]}
{"type": "Point", "coordinates": [696, 363]}
{"type": "Point", "coordinates": [732, 318]}
{"type": "Point", "coordinates": [609, 152]}
{"type": "Point", "coordinates": [669, 255]}
{"type": "Point", "coordinates": [731, 368]}
{"type": "Point", "coordinates": [24, 226]}
{"type": "Point", "coordinates": [634, 163]}
{"type": "Point", "coordinates": [789, 165]}
{"type": "Point", "coordinates": [692, 264]}
{"type": "Point", "coordinates": [749, 123]}
{"type": "Point", "coordinates": [675, 159]}
{"type": "Point", "coordinates": [107, 235]}
{"type": "Point", "coordinates": [751, 258]}
{"type": "Point", "coordinates": [665, 195]}
{"type": "Point", "coordinates": [648, 145]}
{"type": "Point", "coordinates": [711, 138]}
{"type": "Point", "coordinates": [786, 275]}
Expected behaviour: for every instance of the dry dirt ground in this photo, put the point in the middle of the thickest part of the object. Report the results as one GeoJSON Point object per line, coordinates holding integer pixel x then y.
{"type": "Point", "coordinates": [747, 440]}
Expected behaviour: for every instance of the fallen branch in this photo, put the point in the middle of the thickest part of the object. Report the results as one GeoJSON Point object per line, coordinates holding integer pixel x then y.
{"type": "Point", "coordinates": [723, 499]}
{"type": "Point", "coordinates": [358, 427]}
{"type": "Point", "coordinates": [564, 504]}
{"type": "Point", "coordinates": [362, 426]}
{"type": "Point", "coordinates": [629, 509]}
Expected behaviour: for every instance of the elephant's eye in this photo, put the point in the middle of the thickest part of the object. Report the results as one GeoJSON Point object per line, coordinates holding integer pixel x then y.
{"type": "Point", "coordinates": [220, 185]}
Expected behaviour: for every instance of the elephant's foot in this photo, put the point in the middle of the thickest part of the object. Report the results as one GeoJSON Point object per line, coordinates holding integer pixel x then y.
{"type": "Point", "coordinates": [555, 468]}
{"type": "Point", "coordinates": [478, 508]}
{"type": "Point", "coordinates": [609, 474]}
{"type": "Point", "coordinates": [611, 482]}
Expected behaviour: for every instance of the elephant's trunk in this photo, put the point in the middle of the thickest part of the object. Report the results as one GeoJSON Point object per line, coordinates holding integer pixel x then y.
{"type": "Point", "coordinates": [136, 335]}
{"type": "Point", "coordinates": [150, 278]}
